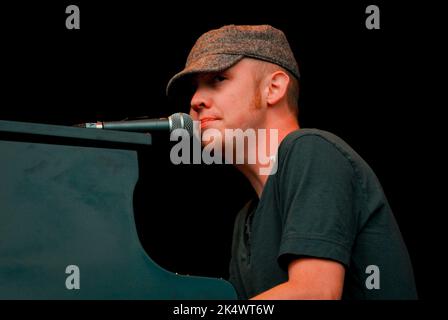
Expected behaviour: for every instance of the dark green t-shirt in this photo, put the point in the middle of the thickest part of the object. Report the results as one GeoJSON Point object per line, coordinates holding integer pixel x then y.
{"type": "Point", "coordinates": [324, 201]}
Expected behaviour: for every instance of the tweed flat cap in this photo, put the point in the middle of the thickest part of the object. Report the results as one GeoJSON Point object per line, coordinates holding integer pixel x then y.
{"type": "Point", "coordinates": [219, 49]}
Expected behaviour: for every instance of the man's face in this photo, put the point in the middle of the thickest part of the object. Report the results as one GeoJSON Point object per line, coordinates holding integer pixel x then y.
{"type": "Point", "coordinates": [230, 99]}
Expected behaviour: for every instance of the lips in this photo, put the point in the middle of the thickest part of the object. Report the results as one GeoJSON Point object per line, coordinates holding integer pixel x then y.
{"type": "Point", "coordinates": [207, 120]}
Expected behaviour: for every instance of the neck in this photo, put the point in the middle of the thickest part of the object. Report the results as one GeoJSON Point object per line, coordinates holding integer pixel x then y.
{"type": "Point", "coordinates": [257, 173]}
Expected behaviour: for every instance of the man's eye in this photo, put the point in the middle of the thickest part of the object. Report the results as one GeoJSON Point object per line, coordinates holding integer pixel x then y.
{"type": "Point", "coordinates": [219, 78]}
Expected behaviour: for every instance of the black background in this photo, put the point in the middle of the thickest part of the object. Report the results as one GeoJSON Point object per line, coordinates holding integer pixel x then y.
{"type": "Point", "coordinates": [367, 86]}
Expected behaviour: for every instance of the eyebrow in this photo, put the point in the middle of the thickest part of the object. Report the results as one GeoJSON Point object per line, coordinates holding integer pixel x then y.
{"type": "Point", "coordinates": [205, 76]}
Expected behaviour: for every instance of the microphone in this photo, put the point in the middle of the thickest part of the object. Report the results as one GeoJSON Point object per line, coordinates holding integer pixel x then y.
{"type": "Point", "coordinates": [175, 121]}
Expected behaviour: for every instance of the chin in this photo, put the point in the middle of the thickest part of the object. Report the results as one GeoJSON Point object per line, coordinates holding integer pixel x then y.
{"type": "Point", "coordinates": [211, 142]}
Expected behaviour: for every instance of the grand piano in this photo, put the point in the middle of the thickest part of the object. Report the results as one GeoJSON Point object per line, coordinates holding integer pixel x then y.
{"type": "Point", "coordinates": [67, 228]}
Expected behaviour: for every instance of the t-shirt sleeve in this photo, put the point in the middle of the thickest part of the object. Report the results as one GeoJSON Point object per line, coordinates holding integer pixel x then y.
{"type": "Point", "coordinates": [317, 189]}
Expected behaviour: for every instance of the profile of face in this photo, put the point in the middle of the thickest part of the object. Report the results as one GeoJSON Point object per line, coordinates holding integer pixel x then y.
{"type": "Point", "coordinates": [230, 99]}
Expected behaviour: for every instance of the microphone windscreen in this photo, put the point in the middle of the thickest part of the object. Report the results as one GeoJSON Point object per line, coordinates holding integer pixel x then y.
{"type": "Point", "coordinates": [182, 121]}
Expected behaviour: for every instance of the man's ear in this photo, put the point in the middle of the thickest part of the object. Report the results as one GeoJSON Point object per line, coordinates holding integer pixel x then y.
{"type": "Point", "coordinates": [277, 87]}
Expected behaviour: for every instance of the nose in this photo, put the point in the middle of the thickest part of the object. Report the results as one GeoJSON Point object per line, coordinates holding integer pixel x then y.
{"type": "Point", "coordinates": [200, 100]}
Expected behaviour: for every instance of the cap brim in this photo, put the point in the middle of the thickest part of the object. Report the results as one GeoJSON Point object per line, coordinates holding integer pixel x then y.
{"type": "Point", "coordinates": [209, 63]}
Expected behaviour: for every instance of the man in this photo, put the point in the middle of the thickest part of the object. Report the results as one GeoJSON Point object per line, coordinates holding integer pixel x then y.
{"type": "Point", "coordinates": [321, 226]}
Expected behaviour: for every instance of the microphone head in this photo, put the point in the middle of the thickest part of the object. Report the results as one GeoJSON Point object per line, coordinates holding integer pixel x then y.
{"type": "Point", "coordinates": [181, 121]}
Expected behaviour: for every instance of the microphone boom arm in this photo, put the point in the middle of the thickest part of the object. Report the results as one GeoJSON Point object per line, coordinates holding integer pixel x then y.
{"type": "Point", "coordinates": [135, 125]}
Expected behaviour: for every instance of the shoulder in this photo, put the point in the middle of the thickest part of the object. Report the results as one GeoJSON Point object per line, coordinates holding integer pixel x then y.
{"type": "Point", "coordinates": [315, 139]}
{"type": "Point", "coordinates": [305, 147]}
